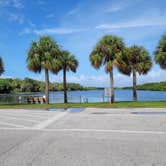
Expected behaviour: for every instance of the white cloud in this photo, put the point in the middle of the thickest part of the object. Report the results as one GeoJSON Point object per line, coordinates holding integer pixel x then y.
{"type": "Point", "coordinates": [132, 24]}
{"type": "Point", "coordinates": [152, 76]}
{"type": "Point", "coordinates": [25, 31]}
{"type": "Point", "coordinates": [4, 3]}
{"type": "Point", "coordinates": [17, 4]}
{"type": "Point", "coordinates": [40, 2]}
{"type": "Point", "coordinates": [31, 24]}
{"type": "Point", "coordinates": [120, 80]}
{"type": "Point", "coordinates": [16, 17]}
{"type": "Point", "coordinates": [102, 80]}
{"type": "Point", "coordinates": [6, 10]}
{"type": "Point", "coordinates": [11, 3]}
{"type": "Point", "coordinates": [41, 77]}
{"type": "Point", "coordinates": [51, 15]}
{"type": "Point", "coordinates": [51, 31]}
{"type": "Point", "coordinates": [150, 18]}
{"type": "Point", "coordinates": [115, 7]}
{"type": "Point", "coordinates": [73, 11]}
{"type": "Point", "coordinates": [6, 76]}
{"type": "Point", "coordinates": [89, 80]}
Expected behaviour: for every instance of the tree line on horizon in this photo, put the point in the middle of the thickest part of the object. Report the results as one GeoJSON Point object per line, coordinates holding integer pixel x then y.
{"type": "Point", "coordinates": [110, 51]}
{"type": "Point", "coordinates": [153, 86]}
{"type": "Point", "coordinates": [28, 85]}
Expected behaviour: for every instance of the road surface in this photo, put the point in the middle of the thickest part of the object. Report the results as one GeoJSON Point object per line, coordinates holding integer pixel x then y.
{"type": "Point", "coordinates": [93, 137]}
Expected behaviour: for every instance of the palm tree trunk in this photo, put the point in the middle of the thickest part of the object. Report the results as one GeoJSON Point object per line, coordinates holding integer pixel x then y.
{"type": "Point", "coordinates": [47, 85]}
{"type": "Point", "coordinates": [112, 86]}
{"type": "Point", "coordinates": [64, 86]}
{"type": "Point", "coordinates": [134, 85]}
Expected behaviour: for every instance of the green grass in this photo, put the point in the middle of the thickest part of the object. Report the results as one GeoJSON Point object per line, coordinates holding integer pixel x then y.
{"type": "Point", "coordinates": [146, 104]}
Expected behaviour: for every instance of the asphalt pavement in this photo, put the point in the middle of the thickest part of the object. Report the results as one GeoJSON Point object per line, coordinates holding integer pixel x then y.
{"type": "Point", "coordinates": [92, 137]}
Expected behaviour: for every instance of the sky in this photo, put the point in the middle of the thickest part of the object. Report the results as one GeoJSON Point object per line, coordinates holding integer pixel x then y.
{"type": "Point", "coordinates": [77, 25]}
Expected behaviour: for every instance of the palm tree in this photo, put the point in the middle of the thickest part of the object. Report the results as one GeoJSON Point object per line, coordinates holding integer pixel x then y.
{"type": "Point", "coordinates": [105, 53]}
{"type": "Point", "coordinates": [43, 55]}
{"type": "Point", "coordinates": [1, 66]}
{"type": "Point", "coordinates": [68, 63]}
{"type": "Point", "coordinates": [135, 59]}
{"type": "Point", "coordinates": [160, 53]}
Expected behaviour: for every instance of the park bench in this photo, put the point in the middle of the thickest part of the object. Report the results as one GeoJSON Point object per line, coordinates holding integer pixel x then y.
{"type": "Point", "coordinates": [35, 100]}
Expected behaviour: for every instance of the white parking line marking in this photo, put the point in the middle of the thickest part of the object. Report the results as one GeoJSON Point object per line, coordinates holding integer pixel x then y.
{"type": "Point", "coordinates": [89, 130]}
{"type": "Point", "coordinates": [22, 115]}
{"type": "Point", "coordinates": [29, 120]}
{"type": "Point", "coordinates": [44, 113]}
{"type": "Point", "coordinates": [12, 124]}
{"type": "Point", "coordinates": [50, 120]}
{"type": "Point", "coordinates": [109, 131]}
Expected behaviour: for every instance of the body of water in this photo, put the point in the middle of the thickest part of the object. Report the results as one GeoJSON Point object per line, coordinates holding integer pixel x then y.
{"type": "Point", "coordinates": [89, 96]}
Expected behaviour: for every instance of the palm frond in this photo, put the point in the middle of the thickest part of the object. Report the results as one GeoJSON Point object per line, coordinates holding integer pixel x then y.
{"type": "Point", "coordinates": [160, 52]}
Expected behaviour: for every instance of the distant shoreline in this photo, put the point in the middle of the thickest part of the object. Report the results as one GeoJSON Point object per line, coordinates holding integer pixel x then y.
{"type": "Point", "coordinates": [35, 93]}
{"type": "Point", "coordinates": [28, 85]}
{"type": "Point", "coordinates": [24, 93]}
{"type": "Point", "coordinates": [155, 86]}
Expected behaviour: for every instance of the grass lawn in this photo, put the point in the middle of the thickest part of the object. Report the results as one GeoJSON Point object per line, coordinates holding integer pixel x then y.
{"type": "Point", "coordinates": [146, 104]}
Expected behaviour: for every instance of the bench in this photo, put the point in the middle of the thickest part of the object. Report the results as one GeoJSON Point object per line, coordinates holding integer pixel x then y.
{"type": "Point", "coordinates": [35, 100]}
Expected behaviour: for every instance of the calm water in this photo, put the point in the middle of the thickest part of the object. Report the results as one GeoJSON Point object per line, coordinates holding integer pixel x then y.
{"type": "Point", "coordinates": [90, 96]}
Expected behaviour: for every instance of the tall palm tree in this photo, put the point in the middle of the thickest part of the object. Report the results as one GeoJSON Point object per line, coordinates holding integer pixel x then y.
{"type": "Point", "coordinates": [105, 53]}
{"type": "Point", "coordinates": [68, 63]}
{"type": "Point", "coordinates": [135, 59]}
{"type": "Point", "coordinates": [43, 55]}
{"type": "Point", "coordinates": [1, 66]}
{"type": "Point", "coordinates": [160, 53]}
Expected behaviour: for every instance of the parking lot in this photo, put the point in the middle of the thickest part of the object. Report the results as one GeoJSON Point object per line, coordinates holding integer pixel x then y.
{"type": "Point", "coordinates": [92, 137]}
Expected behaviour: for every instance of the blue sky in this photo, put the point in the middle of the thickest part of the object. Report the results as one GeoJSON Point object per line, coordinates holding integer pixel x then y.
{"type": "Point", "coordinates": [77, 25]}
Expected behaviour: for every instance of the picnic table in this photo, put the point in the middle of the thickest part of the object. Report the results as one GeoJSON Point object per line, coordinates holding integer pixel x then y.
{"type": "Point", "coordinates": [36, 100]}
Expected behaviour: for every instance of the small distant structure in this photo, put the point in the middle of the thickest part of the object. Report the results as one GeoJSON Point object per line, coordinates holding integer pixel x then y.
{"type": "Point", "coordinates": [83, 99]}
{"type": "Point", "coordinates": [106, 94]}
{"type": "Point", "coordinates": [19, 99]}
